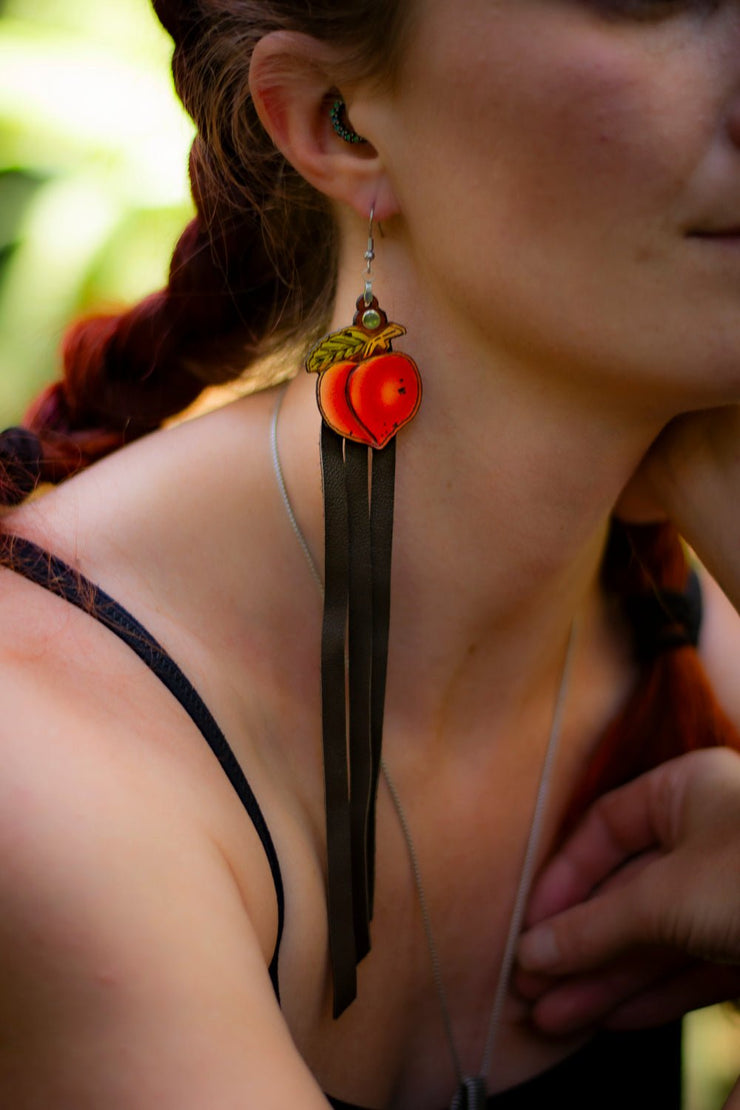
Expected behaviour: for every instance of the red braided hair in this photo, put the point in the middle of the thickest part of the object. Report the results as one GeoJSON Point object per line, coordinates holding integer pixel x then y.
{"type": "Point", "coordinates": [673, 709]}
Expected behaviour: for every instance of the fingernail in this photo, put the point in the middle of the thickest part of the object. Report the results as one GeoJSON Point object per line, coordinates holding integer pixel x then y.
{"type": "Point", "coordinates": [539, 949]}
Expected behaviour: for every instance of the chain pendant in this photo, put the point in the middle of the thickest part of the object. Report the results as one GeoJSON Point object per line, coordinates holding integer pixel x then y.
{"type": "Point", "coordinates": [471, 1094]}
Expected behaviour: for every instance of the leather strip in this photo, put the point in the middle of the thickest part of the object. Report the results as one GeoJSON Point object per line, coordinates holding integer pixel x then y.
{"type": "Point", "coordinates": [381, 527]}
{"type": "Point", "coordinates": [358, 523]}
{"type": "Point", "coordinates": [360, 657]}
{"type": "Point", "coordinates": [338, 832]}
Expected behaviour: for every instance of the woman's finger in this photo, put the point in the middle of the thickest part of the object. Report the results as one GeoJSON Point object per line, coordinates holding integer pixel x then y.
{"type": "Point", "coordinates": [597, 931]}
{"type": "Point", "coordinates": [585, 1001]}
{"type": "Point", "coordinates": [619, 826]}
{"type": "Point", "coordinates": [635, 994]}
{"type": "Point", "coordinates": [694, 987]}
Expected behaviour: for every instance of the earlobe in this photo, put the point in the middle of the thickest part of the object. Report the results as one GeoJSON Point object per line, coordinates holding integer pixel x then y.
{"type": "Point", "coordinates": [292, 81]}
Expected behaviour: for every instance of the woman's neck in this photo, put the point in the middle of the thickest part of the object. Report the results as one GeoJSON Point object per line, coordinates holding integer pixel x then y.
{"type": "Point", "coordinates": [505, 482]}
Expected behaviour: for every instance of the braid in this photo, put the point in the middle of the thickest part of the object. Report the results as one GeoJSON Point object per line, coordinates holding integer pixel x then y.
{"type": "Point", "coordinates": [125, 374]}
{"type": "Point", "coordinates": [673, 708]}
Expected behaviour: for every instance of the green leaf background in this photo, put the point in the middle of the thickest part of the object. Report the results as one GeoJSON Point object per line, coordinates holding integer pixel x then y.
{"type": "Point", "coordinates": [93, 174]}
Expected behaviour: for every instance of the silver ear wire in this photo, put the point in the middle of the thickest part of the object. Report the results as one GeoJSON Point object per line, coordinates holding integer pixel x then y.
{"type": "Point", "coordinates": [370, 258]}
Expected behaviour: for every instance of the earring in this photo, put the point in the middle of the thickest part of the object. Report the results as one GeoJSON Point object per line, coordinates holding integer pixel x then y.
{"type": "Point", "coordinates": [366, 393]}
{"type": "Point", "coordinates": [340, 123]}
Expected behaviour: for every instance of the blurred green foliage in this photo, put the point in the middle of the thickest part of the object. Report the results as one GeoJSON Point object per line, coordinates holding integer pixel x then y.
{"type": "Point", "coordinates": [712, 1055]}
{"type": "Point", "coordinates": [93, 173]}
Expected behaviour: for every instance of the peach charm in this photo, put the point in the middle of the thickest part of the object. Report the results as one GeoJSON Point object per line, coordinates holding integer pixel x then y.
{"type": "Point", "coordinates": [366, 391]}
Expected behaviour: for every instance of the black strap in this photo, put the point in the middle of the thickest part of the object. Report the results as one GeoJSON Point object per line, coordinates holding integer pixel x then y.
{"type": "Point", "coordinates": [59, 578]}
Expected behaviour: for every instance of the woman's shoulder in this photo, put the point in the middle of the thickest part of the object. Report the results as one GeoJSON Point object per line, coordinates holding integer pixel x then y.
{"type": "Point", "coordinates": [94, 748]}
{"type": "Point", "coordinates": [129, 865]}
{"type": "Point", "coordinates": [152, 499]}
{"type": "Point", "coordinates": [80, 707]}
{"type": "Point", "coordinates": [124, 927]}
{"type": "Point", "coordinates": [183, 529]}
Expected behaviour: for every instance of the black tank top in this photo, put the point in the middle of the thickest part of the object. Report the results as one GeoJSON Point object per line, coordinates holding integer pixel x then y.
{"type": "Point", "coordinates": [614, 1071]}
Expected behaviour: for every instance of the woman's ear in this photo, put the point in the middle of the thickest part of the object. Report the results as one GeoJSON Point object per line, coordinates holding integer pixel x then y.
{"type": "Point", "coordinates": [293, 86]}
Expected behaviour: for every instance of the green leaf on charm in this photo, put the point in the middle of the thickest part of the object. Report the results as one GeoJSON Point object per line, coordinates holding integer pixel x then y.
{"type": "Point", "coordinates": [337, 347]}
{"type": "Point", "coordinates": [383, 341]}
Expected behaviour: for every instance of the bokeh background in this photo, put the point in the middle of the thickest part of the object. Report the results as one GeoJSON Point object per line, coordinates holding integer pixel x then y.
{"type": "Point", "coordinates": [93, 183]}
{"type": "Point", "coordinates": [93, 194]}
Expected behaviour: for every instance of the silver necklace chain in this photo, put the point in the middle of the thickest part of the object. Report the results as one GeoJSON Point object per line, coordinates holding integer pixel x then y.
{"type": "Point", "coordinates": [533, 840]}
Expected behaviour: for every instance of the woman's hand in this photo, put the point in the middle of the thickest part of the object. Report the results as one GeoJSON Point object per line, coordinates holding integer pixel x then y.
{"type": "Point", "coordinates": [637, 918]}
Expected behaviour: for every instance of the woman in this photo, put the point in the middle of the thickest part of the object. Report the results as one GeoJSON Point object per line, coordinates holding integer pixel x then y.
{"type": "Point", "coordinates": [555, 187]}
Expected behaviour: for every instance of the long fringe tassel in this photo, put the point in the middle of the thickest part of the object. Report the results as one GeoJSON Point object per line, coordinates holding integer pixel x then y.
{"type": "Point", "coordinates": [358, 513]}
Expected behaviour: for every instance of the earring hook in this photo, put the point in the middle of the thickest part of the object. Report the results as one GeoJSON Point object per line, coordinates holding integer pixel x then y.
{"type": "Point", "coordinates": [370, 258]}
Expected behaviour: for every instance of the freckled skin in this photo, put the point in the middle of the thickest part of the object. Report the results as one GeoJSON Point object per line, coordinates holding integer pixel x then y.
{"type": "Point", "coordinates": [580, 145]}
